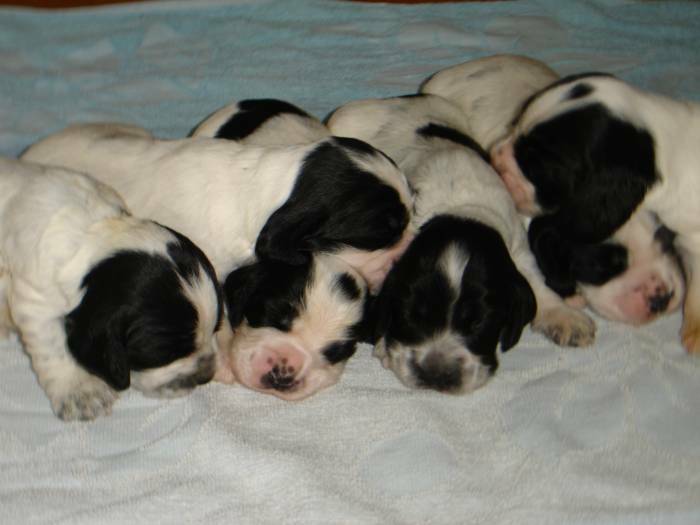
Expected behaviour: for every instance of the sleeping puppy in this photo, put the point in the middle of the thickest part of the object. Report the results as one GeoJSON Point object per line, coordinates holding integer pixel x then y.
{"type": "Point", "coordinates": [632, 277]}
{"type": "Point", "coordinates": [304, 319]}
{"type": "Point", "coordinates": [101, 300]}
{"type": "Point", "coordinates": [590, 151]}
{"type": "Point", "coordinates": [468, 281]}
{"type": "Point", "coordinates": [260, 211]}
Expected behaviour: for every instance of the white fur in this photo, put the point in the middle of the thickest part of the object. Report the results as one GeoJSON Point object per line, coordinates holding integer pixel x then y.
{"type": "Point", "coordinates": [55, 225]}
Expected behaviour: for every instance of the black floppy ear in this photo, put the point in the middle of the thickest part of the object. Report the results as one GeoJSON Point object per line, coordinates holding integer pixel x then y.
{"type": "Point", "coordinates": [99, 349]}
{"type": "Point", "coordinates": [553, 254]}
{"type": "Point", "coordinates": [287, 234]}
{"type": "Point", "coordinates": [520, 311]}
{"type": "Point", "coordinates": [377, 316]}
{"type": "Point", "coordinates": [240, 285]}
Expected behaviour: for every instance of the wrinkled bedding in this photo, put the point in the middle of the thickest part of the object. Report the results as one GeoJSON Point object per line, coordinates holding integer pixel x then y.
{"type": "Point", "coordinates": [608, 434]}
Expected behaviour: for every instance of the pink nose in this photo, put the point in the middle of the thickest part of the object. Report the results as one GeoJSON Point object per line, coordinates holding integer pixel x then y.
{"type": "Point", "coordinates": [278, 367]}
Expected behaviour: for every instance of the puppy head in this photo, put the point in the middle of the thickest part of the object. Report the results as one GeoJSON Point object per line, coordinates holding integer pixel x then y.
{"type": "Point", "coordinates": [653, 283]}
{"type": "Point", "coordinates": [447, 304]}
{"type": "Point", "coordinates": [348, 199]}
{"type": "Point", "coordinates": [295, 325]}
{"type": "Point", "coordinates": [147, 315]}
{"type": "Point", "coordinates": [578, 149]}
{"type": "Point", "coordinates": [262, 122]}
{"type": "Point", "coordinates": [633, 278]}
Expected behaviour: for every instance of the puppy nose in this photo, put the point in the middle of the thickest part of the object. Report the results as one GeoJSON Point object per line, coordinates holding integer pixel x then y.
{"type": "Point", "coordinates": [280, 377]}
{"type": "Point", "coordinates": [659, 302]}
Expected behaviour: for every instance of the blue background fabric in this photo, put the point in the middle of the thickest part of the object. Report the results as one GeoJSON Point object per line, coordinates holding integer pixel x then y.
{"type": "Point", "coordinates": [608, 434]}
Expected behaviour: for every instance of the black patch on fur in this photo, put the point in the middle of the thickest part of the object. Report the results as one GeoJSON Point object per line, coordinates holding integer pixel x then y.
{"type": "Point", "coordinates": [589, 168]}
{"type": "Point", "coordinates": [133, 316]}
{"type": "Point", "coordinates": [339, 351]}
{"type": "Point", "coordinates": [266, 293]}
{"type": "Point", "coordinates": [579, 91]}
{"type": "Point", "coordinates": [559, 82]}
{"type": "Point", "coordinates": [348, 285]}
{"type": "Point", "coordinates": [334, 203]}
{"type": "Point", "coordinates": [252, 114]}
{"type": "Point", "coordinates": [451, 134]}
{"type": "Point", "coordinates": [565, 263]}
{"type": "Point", "coordinates": [493, 303]}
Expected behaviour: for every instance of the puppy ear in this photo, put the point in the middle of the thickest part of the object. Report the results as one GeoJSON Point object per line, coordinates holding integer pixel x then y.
{"type": "Point", "coordinates": [99, 349]}
{"type": "Point", "coordinates": [287, 233]}
{"type": "Point", "coordinates": [520, 311]}
{"type": "Point", "coordinates": [596, 264]}
{"type": "Point", "coordinates": [239, 287]}
{"type": "Point", "coordinates": [553, 254]}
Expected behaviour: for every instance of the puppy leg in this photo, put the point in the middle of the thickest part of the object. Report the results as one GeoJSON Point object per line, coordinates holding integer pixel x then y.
{"type": "Point", "coordinates": [690, 331]}
{"type": "Point", "coordinates": [74, 393]}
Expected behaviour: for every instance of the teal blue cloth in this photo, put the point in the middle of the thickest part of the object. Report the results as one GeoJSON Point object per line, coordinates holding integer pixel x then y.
{"type": "Point", "coordinates": [167, 64]}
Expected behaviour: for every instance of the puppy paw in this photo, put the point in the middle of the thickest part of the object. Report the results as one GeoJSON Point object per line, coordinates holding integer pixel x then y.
{"type": "Point", "coordinates": [85, 398]}
{"type": "Point", "coordinates": [565, 326]}
{"type": "Point", "coordinates": [690, 335]}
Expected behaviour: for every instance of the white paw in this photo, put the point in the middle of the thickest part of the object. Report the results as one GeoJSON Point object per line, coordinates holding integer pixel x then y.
{"type": "Point", "coordinates": [565, 326]}
{"type": "Point", "coordinates": [84, 397]}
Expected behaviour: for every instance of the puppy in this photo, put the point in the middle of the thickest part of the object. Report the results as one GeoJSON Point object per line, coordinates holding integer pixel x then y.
{"type": "Point", "coordinates": [296, 325]}
{"type": "Point", "coordinates": [635, 275]}
{"type": "Point", "coordinates": [468, 281]}
{"type": "Point", "coordinates": [101, 300]}
{"type": "Point", "coordinates": [591, 151]}
{"type": "Point", "coordinates": [263, 211]}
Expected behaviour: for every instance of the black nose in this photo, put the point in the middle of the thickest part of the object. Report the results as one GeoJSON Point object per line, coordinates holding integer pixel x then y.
{"type": "Point", "coordinates": [280, 378]}
{"type": "Point", "coordinates": [659, 302]}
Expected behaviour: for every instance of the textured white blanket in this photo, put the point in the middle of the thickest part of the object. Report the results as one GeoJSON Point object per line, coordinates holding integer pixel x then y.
{"type": "Point", "coordinates": [609, 434]}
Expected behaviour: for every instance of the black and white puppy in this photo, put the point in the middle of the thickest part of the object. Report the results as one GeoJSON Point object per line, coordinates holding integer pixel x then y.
{"type": "Point", "coordinates": [261, 212]}
{"type": "Point", "coordinates": [101, 300]}
{"type": "Point", "coordinates": [304, 319]}
{"type": "Point", "coordinates": [590, 151]}
{"type": "Point", "coordinates": [632, 277]}
{"type": "Point", "coordinates": [468, 281]}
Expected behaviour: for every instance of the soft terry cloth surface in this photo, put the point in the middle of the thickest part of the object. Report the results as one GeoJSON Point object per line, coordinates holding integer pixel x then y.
{"type": "Point", "coordinates": [609, 434]}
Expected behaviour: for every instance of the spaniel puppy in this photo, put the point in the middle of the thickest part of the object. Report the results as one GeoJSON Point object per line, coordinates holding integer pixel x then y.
{"type": "Point", "coordinates": [263, 215]}
{"type": "Point", "coordinates": [591, 151]}
{"type": "Point", "coordinates": [632, 277]}
{"type": "Point", "coordinates": [468, 281]}
{"type": "Point", "coordinates": [101, 300]}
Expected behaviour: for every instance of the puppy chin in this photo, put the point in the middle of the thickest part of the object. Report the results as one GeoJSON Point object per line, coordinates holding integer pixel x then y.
{"type": "Point", "coordinates": [375, 266]}
{"type": "Point", "coordinates": [443, 365]}
{"type": "Point", "coordinates": [273, 362]}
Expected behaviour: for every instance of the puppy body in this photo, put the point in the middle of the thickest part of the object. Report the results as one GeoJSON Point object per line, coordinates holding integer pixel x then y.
{"type": "Point", "coordinates": [454, 184]}
{"type": "Point", "coordinates": [618, 152]}
{"type": "Point", "coordinates": [633, 277]}
{"type": "Point", "coordinates": [64, 239]}
{"type": "Point", "coordinates": [490, 91]}
{"type": "Point", "coordinates": [239, 201]}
